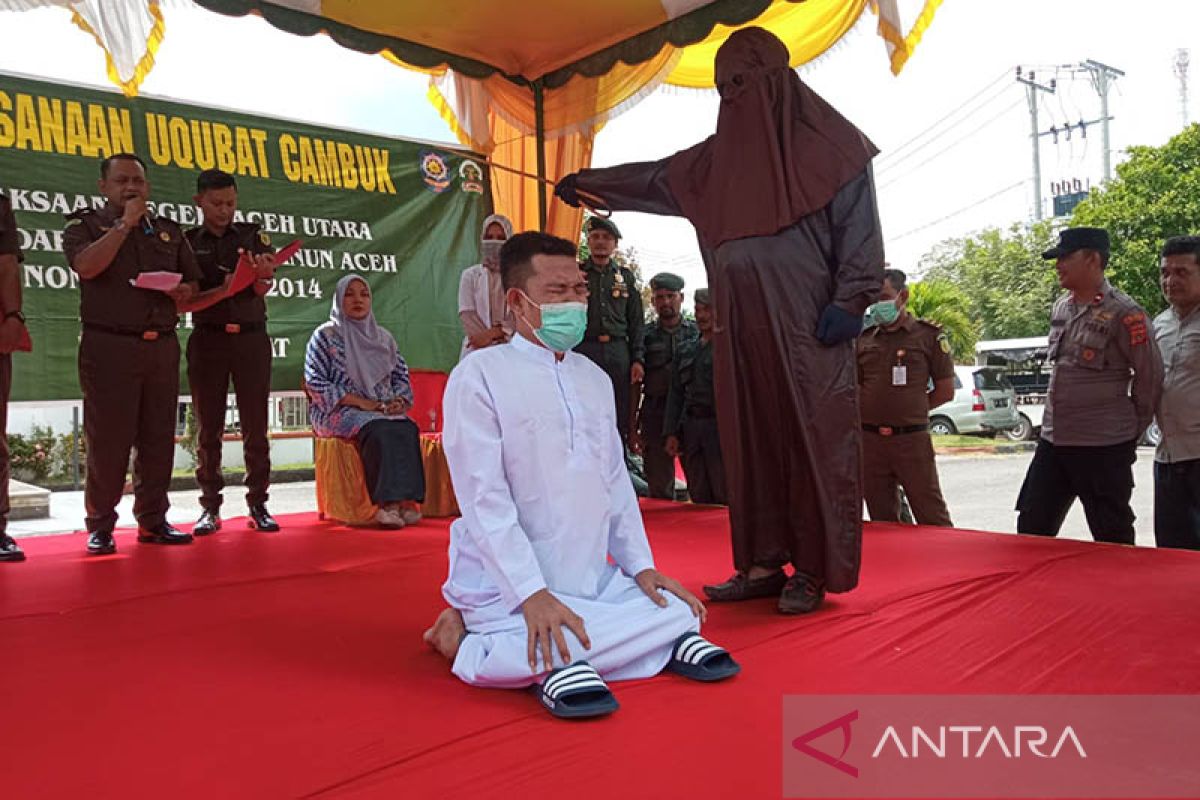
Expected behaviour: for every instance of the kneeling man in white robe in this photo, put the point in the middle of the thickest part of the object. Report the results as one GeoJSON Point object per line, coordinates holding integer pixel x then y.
{"type": "Point", "coordinates": [552, 583]}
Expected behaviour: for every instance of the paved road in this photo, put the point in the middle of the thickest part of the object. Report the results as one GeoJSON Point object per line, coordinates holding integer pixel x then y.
{"type": "Point", "coordinates": [982, 493]}
{"type": "Point", "coordinates": [980, 489]}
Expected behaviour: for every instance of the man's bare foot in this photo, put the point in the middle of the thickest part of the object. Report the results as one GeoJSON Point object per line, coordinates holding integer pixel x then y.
{"type": "Point", "coordinates": [447, 633]}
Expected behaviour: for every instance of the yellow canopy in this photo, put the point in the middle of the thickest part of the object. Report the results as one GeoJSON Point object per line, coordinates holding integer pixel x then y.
{"type": "Point", "coordinates": [526, 83]}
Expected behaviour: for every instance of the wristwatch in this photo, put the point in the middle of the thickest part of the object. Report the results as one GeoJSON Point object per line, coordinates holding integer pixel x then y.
{"type": "Point", "coordinates": [16, 314]}
{"type": "Point", "coordinates": [120, 225]}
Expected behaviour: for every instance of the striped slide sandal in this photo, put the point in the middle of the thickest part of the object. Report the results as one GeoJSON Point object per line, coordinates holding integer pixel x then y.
{"type": "Point", "coordinates": [699, 659]}
{"type": "Point", "coordinates": [576, 692]}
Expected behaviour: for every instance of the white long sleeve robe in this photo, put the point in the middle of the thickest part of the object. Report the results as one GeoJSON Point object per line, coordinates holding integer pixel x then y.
{"type": "Point", "coordinates": [539, 472]}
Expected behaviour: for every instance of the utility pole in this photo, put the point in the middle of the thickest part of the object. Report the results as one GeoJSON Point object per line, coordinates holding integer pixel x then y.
{"type": "Point", "coordinates": [1182, 62]}
{"type": "Point", "coordinates": [1032, 87]}
{"type": "Point", "coordinates": [1103, 77]}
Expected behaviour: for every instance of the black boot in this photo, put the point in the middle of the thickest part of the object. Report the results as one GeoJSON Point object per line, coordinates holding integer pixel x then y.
{"type": "Point", "coordinates": [209, 523]}
{"type": "Point", "coordinates": [101, 543]}
{"type": "Point", "coordinates": [9, 550]}
{"type": "Point", "coordinates": [261, 519]}
{"type": "Point", "coordinates": [164, 533]}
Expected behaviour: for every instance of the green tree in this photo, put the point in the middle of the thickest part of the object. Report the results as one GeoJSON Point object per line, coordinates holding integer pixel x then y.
{"type": "Point", "coordinates": [944, 303]}
{"type": "Point", "coordinates": [1009, 289]}
{"type": "Point", "coordinates": [1155, 195]}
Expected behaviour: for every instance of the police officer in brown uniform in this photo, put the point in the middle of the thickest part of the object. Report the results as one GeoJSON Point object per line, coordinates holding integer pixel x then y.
{"type": "Point", "coordinates": [229, 341]}
{"type": "Point", "coordinates": [663, 339]}
{"type": "Point", "coordinates": [1106, 382]}
{"type": "Point", "coordinates": [899, 358]}
{"type": "Point", "coordinates": [12, 331]}
{"type": "Point", "coordinates": [128, 353]}
{"type": "Point", "coordinates": [615, 329]}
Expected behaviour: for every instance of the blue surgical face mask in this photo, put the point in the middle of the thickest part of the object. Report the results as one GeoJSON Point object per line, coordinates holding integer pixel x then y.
{"type": "Point", "coordinates": [883, 313]}
{"type": "Point", "coordinates": [563, 324]}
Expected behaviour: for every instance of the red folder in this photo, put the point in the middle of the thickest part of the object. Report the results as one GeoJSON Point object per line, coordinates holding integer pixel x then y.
{"type": "Point", "coordinates": [243, 275]}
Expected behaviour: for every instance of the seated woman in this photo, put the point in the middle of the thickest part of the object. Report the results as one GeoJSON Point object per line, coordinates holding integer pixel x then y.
{"type": "Point", "coordinates": [360, 390]}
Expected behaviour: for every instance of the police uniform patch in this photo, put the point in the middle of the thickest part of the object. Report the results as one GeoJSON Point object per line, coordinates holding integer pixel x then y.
{"type": "Point", "coordinates": [166, 237]}
{"type": "Point", "coordinates": [1088, 354]}
{"type": "Point", "coordinates": [1136, 325]}
{"type": "Point", "coordinates": [262, 237]}
{"type": "Point", "coordinates": [944, 343]}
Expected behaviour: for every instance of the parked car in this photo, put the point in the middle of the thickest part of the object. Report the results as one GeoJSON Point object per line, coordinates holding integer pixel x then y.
{"type": "Point", "coordinates": [984, 402]}
{"type": "Point", "coordinates": [1025, 366]}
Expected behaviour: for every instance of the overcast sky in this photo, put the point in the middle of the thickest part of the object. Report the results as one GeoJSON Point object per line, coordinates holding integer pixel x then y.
{"type": "Point", "coordinates": [972, 171]}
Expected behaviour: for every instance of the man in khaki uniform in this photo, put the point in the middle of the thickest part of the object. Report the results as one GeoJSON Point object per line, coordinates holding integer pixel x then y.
{"type": "Point", "coordinates": [128, 354]}
{"type": "Point", "coordinates": [899, 358]}
{"type": "Point", "coordinates": [1106, 382]}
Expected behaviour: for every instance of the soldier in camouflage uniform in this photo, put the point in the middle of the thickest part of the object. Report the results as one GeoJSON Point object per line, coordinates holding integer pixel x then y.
{"type": "Point", "coordinates": [691, 419]}
{"type": "Point", "coordinates": [663, 339]}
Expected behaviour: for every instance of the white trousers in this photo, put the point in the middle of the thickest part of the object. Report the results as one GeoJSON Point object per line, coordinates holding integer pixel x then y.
{"type": "Point", "coordinates": [631, 637]}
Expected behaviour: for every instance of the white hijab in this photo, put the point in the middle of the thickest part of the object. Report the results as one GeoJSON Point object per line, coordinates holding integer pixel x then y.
{"type": "Point", "coordinates": [370, 350]}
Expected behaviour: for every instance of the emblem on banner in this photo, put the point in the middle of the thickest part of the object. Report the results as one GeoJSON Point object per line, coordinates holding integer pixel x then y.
{"type": "Point", "coordinates": [472, 177]}
{"type": "Point", "coordinates": [435, 172]}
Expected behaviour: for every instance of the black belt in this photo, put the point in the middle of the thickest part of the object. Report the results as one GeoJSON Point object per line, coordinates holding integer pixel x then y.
{"type": "Point", "coordinates": [231, 328]}
{"type": "Point", "coordinates": [605, 338]}
{"type": "Point", "coordinates": [148, 335]}
{"type": "Point", "coordinates": [894, 430]}
{"type": "Point", "coordinates": [701, 412]}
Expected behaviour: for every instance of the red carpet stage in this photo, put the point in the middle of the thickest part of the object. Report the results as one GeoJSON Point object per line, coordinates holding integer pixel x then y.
{"type": "Point", "coordinates": [290, 666]}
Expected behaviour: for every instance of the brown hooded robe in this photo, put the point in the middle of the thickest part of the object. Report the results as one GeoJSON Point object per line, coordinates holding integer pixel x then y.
{"type": "Point", "coordinates": [783, 202]}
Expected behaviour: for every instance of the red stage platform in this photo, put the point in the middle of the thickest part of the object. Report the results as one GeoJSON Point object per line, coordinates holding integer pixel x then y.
{"type": "Point", "coordinates": [291, 665]}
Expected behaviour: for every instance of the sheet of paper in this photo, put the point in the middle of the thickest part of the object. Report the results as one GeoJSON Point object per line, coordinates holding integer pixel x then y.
{"type": "Point", "coordinates": [158, 281]}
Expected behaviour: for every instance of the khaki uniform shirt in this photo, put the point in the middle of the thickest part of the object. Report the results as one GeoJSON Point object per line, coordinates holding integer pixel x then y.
{"type": "Point", "coordinates": [1179, 408]}
{"type": "Point", "coordinates": [1107, 373]}
{"type": "Point", "coordinates": [895, 368]}
{"type": "Point", "coordinates": [615, 306]}
{"type": "Point", "coordinates": [109, 300]}
{"type": "Point", "coordinates": [218, 257]}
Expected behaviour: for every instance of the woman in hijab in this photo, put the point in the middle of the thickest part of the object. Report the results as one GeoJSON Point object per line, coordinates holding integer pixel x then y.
{"type": "Point", "coordinates": [485, 317]}
{"type": "Point", "coordinates": [783, 202]}
{"type": "Point", "coordinates": [360, 390]}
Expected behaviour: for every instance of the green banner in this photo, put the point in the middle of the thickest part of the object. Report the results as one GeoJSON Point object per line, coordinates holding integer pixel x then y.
{"type": "Point", "coordinates": [404, 215]}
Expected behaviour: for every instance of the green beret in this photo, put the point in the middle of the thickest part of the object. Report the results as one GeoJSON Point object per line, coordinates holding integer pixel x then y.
{"type": "Point", "coordinates": [600, 223]}
{"type": "Point", "coordinates": [702, 297]}
{"type": "Point", "coordinates": [667, 280]}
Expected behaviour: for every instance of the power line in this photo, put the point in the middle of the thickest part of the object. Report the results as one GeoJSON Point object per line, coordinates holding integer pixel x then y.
{"type": "Point", "coordinates": [950, 146]}
{"type": "Point", "coordinates": [962, 210]}
{"type": "Point", "coordinates": [897, 150]}
{"type": "Point", "coordinates": [890, 165]}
